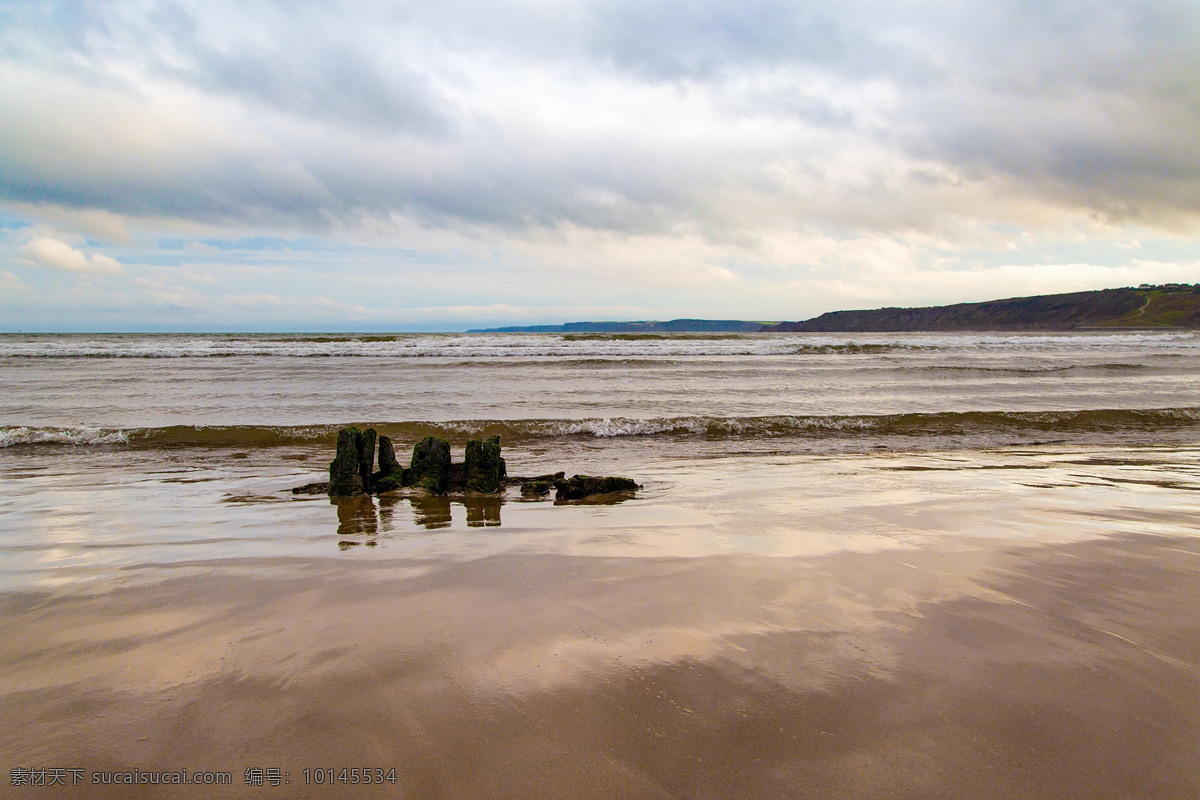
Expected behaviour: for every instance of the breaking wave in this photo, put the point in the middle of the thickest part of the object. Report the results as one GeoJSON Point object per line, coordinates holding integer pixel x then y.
{"type": "Point", "coordinates": [10, 436]}
{"type": "Point", "coordinates": [924, 426]}
{"type": "Point", "coordinates": [571, 345]}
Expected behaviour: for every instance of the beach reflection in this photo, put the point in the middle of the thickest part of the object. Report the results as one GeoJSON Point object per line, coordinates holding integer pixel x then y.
{"type": "Point", "coordinates": [363, 516]}
{"type": "Point", "coordinates": [356, 516]}
{"type": "Point", "coordinates": [483, 512]}
{"type": "Point", "coordinates": [431, 512]}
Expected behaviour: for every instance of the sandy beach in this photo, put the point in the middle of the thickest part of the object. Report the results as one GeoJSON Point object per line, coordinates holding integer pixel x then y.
{"type": "Point", "coordinates": [1012, 623]}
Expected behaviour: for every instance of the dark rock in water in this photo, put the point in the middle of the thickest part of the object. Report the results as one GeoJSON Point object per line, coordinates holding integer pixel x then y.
{"type": "Point", "coordinates": [350, 470]}
{"type": "Point", "coordinates": [366, 456]}
{"type": "Point", "coordinates": [345, 474]}
{"type": "Point", "coordinates": [391, 475]}
{"type": "Point", "coordinates": [483, 471]}
{"type": "Point", "coordinates": [430, 468]}
{"type": "Point", "coordinates": [387, 457]}
{"type": "Point", "coordinates": [483, 468]}
{"type": "Point", "coordinates": [385, 483]}
{"type": "Point", "coordinates": [581, 486]}
{"type": "Point", "coordinates": [536, 488]}
{"type": "Point", "coordinates": [551, 479]}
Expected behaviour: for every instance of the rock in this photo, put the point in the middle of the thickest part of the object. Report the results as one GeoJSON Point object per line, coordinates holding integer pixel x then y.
{"type": "Point", "coordinates": [385, 483]}
{"type": "Point", "coordinates": [483, 468]}
{"type": "Point", "coordinates": [366, 456]}
{"type": "Point", "coordinates": [430, 468]}
{"type": "Point", "coordinates": [580, 486]}
{"type": "Point", "coordinates": [391, 475]}
{"type": "Point", "coordinates": [387, 457]}
{"type": "Point", "coordinates": [536, 488]}
{"type": "Point", "coordinates": [557, 476]}
{"type": "Point", "coordinates": [346, 477]}
{"type": "Point", "coordinates": [483, 471]}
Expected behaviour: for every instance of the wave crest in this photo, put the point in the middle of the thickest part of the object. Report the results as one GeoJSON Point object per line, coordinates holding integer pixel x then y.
{"type": "Point", "coordinates": [10, 437]}
{"type": "Point", "coordinates": [919, 425]}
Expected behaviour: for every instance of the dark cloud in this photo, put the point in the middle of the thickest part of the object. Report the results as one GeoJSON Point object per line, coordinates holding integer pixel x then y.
{"type": "Point", "coordinates": [335, 83]}
{"type": "Point", "coordinates": [674, 39]}
{"type": "Point", "coordinates": [524, 115]}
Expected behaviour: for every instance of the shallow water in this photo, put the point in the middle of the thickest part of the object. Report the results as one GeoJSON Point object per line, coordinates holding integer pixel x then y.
{"type": "Point", "coordinates": [561, 386]}
{"type": "Point", "coordinates": [934, 604]}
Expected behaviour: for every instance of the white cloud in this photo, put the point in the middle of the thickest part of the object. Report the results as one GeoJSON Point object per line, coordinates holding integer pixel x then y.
{"type": "Point", "coordinates": [177, 296]}
{"type": "Point", "coordinates": [255, 301]}
{"type": "Point", "coordinates": [196, 277]}
{"type": "Point", "coordinates": [10, 282]}
{"type": "Point", "coordinates": [95, 223]}
{"type": "Point", "coordinates": [46, 251]}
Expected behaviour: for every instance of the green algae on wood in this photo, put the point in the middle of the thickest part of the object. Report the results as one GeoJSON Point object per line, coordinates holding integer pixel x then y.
{"type": "Point", "coordinates": [580, 486]}
{"type": "Point", "coordinates": [391, 475]}
{"type": "Point", "coordinates": [350, 470]}
{"type": "Point", "coordinates": [430, 468]}
{"type": "Point", "coordinates": [483, 468]}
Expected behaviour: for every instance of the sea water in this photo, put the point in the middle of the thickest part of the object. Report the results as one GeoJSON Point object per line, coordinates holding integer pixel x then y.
{"type": "Point", "coordinates": [267, 389]}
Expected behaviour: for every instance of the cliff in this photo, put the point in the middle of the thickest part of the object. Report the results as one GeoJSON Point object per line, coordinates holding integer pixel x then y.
{"type": "Point", "coordinates": [1171, 305]}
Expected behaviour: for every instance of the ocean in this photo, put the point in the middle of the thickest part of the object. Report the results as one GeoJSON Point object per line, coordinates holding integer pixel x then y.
{"type": "Point", "coordinates": [860, 565]}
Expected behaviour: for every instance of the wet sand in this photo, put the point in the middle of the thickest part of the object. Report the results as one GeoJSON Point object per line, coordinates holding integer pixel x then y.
{"type": "Point", "coordinates": [993, 625]}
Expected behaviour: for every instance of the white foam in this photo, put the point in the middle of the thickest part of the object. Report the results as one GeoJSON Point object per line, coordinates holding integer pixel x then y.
{"type": "Point", "coordinates": [548, 345]}
{"type": "Point", "coordinates": [10, 437]}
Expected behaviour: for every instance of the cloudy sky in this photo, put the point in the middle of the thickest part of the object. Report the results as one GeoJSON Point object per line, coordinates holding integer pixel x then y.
{"type": "Point", "coordinates": [434, 166]}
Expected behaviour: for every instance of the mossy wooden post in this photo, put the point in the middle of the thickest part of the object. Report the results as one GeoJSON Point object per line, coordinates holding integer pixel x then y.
{"type": "Point", "coordinates": [387, 456]}
{"type": "Point", "coordinates": [345, 479]}
{"type": "Point", "coordinates": [482, 466]}
{"type": "Point", "coordinates": [366, 457]}
{"type": "Point", "coordinates": [350, 470]}
{"type": "Point", "coordinates": [391, 474]}
{"type": "Point", "coordinates": [430, 468]}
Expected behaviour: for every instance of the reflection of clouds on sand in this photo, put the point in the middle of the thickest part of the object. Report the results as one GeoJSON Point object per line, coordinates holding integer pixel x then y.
{"type": "Point", "coordinates": [117, 513]}
{"type": "Point", "coordinates": [956, 659]}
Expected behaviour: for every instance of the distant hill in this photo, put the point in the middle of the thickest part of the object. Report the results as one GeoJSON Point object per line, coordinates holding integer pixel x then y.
{"type": "Point", "coordinates": [671, 326]}
{"type": "Point", "coordinates": [1170, 305]}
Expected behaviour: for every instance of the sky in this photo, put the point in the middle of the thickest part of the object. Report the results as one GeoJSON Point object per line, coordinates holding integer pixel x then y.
{"type": "Point", "coordinates": [395, 166]}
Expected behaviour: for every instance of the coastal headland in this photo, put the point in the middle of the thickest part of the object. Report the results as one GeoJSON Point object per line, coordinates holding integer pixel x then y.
{"type": "Point", "coordinates": [1171, 305]}
{"type": "Point", "coordinates": [1168, 305]}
